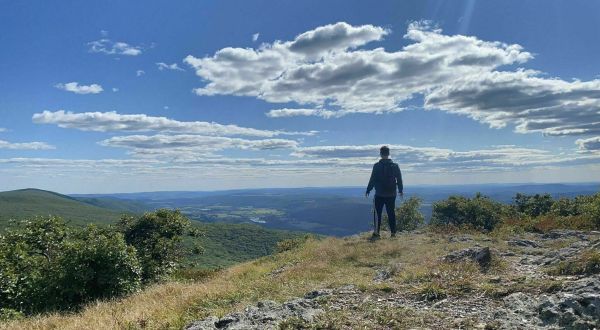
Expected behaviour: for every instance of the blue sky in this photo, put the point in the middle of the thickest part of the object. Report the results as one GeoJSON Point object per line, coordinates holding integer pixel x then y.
{"type": "Point", "coordinates": [123, 96]}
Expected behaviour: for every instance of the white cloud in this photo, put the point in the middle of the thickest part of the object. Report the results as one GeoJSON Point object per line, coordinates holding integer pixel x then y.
{"type": "Point", "coordinates": [591, 144]}
{"type": "Point", "coordinates": [186, 143]}
{"type": "Point", "coordinates": [139, 73]}
{"type": "Point", "coordinates": [255, 37]}
{"type": "Point", "coordinates": [80, 89]}
{"type": "Point", "coordinates": [326, 68]}
{"type": "Point", "coordinates": [164, 66]}
{"type": "Point", "coordinates": [498, 158]}
{"type": "Point", "coordinates": [523, 98]}
{"type": "Point", "coordinates": [25, 146]}
{"type": "Point", "coordinates": [285, 112]}
{"type": "Point", "coordinates": [2, 129]}
{"type": "Point", "coordinates": [109, 47]}
{"type": "Point", "coordinates": [114, 89]}
{"type": "Point", "coordinates": [113, 122]}
{"type": "Point", "coordinates": [104, 33]}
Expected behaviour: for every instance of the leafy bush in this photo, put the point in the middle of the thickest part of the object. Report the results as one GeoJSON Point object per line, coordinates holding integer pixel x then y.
{"type": "Point", "coordinates": [533, 205]}
{"type": "Point", "coordinates": [479, 212]}
{"type": "Point", "coordinates": [95, 263]}
{"type": "Point", "coordinates": [408, 216]}
{"type": "Point", "coordinates": [45, 266]}
{"type": "Point", "coordinates": [157, 237]}
{"type": "Point", "coordinates": [26, 256]}
{"type": "Point", "coordinates": [531, 213]}
{"type": "Point", "coordinates": [590, 208]}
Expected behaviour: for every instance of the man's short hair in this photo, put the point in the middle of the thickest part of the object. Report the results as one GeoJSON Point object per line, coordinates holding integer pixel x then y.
{"type": "Point", "coordinates": [384, 151]}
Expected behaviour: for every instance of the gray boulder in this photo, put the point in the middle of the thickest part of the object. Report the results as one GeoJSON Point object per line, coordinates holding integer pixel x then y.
{"type": "Point", "coordinates": [481, 255]}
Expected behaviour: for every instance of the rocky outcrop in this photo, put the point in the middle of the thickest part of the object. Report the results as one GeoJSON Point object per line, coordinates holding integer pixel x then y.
{"type": "Point", "coordinates": [528, 296]}
{"type": "Point", "coordinates": [576, 306]}
{"type": "Point", "coordinates": [266, 314]}
{"type": "Point", "coordinates": [481, 255]}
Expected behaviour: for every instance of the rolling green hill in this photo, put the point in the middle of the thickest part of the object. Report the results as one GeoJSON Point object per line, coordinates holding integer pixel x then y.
{"type": "Point", "coordinates": [26, 203]}
{"type": "Point", "coordinates": [223, 244]}
{"type": "Point", "coordinates": [116, 204]}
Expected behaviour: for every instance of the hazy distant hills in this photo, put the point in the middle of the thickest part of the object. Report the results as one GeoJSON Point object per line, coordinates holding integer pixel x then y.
{"type": "Point", "coordinates": [337, 211]}
{"type": "Point", "coordinates": [26, 203]}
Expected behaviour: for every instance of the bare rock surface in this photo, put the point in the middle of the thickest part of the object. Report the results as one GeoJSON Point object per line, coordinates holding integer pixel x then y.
{"type": "Point", "coordinates": [266, 314]}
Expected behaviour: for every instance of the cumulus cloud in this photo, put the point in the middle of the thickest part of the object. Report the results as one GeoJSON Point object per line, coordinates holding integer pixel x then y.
{"type": "Point", "coordinates": [255, 37]}
{"type": "Point", "coordinates": [328, 68]}
{"type": "Point", "coordinates": [109, 47]}
{"type": "Point", "coordinates": [523, 98]}
{"type": "Point", "coordinates": [139, 73]}
{"type": "Point", "coordinates": [164, 66]}
{"type": "Point", "coordinates": [113, 121]}
{"type": "Point", "coordinates": [80, 89]}
{"type": "Point", "coordinates": [185, 143]}
{"type": "Point", "coordinates": [25, 146]}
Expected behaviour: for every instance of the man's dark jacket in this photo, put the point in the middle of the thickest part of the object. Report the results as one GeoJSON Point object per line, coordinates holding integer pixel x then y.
{"type": "Point", "coordinates": [377, 176]}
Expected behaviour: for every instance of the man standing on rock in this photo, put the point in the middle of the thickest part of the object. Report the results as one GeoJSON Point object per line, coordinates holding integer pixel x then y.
{"type": "Point", "coordinates": [385, 177]}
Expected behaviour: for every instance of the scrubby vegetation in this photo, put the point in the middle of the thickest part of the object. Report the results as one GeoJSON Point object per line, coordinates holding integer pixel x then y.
{"type": "Point", "coordinates": [408, 215]}
{"type": "Point", "coordinates": [533, 213]}
{"type": "Point", "coordinates": [46, 265]}
{"type": "Point", "coordinates": [480, 212]}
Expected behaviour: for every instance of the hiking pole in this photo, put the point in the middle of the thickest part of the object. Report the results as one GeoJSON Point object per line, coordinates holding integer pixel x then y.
{"type": "Point", "coordinates": [375, 226]}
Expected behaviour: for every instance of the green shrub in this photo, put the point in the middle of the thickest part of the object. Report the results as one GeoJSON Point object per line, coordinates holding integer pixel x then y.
{"type": "Point", "coordinates": [533, 205]}
{"type": "Point", "coordinates": [96, 263]}
{"type": "Point", "coordinates": [27, 253]}
{"type": "Point", "coordinates": [408, 216]}
{"type": "Point", "coordinates": [45, 266]}
{"type": "Point", "coordinates": [157, 237]}
{"type": "Point", "coordinates": [590, 208]}
{"type": "Point", "coordinates": [479, 212]}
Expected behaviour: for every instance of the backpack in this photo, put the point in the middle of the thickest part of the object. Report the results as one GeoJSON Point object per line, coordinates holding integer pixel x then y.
{"type": "Point", "coordinates": [388, 178]}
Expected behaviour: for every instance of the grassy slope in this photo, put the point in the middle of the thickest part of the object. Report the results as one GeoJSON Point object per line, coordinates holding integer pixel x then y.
{"type": "Point", "coordinates": [26, 203]}
{"type": "Point", "coordinates": [331, 262]}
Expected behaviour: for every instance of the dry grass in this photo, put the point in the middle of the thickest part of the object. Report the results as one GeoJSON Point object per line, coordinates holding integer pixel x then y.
{"type": "Point", "coordinates": [328, 263]}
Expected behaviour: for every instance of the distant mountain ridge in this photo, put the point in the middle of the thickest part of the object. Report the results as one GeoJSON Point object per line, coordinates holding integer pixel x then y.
{"type": "Point", "coordinates": [337, 211]}
{"type": "Point", "coordinates": [26, 203]}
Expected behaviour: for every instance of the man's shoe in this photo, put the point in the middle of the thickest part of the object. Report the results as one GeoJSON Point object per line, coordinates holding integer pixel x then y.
{"type": "Point", "coordinates": [375, 236]}
{"type": "Point", "coordinates": [393, 235]}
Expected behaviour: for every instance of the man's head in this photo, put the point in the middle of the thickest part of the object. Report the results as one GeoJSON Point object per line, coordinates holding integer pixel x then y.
{"type": "Point", "coordinates": [384, 152]}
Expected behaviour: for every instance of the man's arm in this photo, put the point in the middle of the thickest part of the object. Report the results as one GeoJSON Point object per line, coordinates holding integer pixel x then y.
{"type": "Point", "coordinates": [371, 181]}
{"type": "Point", "coordinates": [399, 181]}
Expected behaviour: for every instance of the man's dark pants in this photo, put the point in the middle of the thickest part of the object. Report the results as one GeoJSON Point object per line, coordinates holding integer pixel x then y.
{"type": "Point", "coordinates": [390, 207]}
